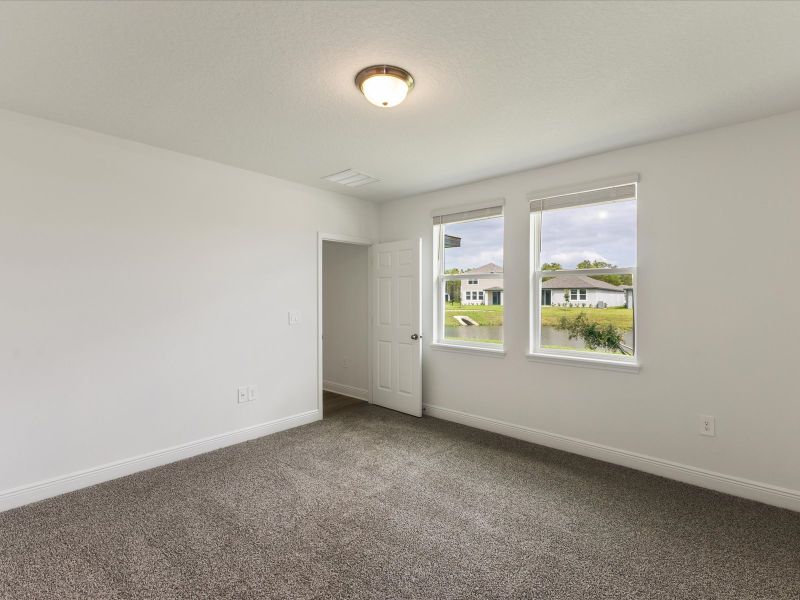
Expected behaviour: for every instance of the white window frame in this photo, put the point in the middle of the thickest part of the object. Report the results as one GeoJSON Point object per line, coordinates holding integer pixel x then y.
{"type": "Point", "coordinates": [472, 282]}
{"type": "Point", "coordinates": [439, 341]}
{"type": "Point", "coordinates": [578, 293]}
{"type": "Point", "coordinates": [628, 363]}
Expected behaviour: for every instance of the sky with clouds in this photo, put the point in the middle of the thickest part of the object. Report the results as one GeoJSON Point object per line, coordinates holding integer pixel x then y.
{"type": "Point", "coordinates": [481, 243]}
{"type": "Point", "coordinates": [604, 232]}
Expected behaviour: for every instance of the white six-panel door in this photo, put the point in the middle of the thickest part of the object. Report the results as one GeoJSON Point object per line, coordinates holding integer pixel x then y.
{"type": "Point", "coordinates": [397, 340]}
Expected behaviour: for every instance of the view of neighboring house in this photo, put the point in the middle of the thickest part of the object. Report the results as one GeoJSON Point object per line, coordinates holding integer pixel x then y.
{"type": "Point", "coordinates": [483, 290]}
{"type": "Point", "coordinates": [577, 290]}
{"type": "Point", "coordinates": [582, 290]}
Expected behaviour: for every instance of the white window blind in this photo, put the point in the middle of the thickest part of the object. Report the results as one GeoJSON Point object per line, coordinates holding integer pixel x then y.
{"type": "Point", "coordinates": [468, 215]}
{"type": "Point", "coordinates": [609, 191]}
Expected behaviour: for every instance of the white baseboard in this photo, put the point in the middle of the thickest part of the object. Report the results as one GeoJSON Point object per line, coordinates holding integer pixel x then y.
{"type": "Point", "coordinates": [346, 390]}
{"type": "Point", "coordinates": [736, 486]}
{"type": "Point", "coordinates": [56, 486]}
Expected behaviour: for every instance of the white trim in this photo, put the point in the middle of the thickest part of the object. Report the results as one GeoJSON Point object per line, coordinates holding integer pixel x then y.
{"type": "Point", "coordinates": [345, 239]}
{"type": "Point", "coordinates": [597, 184]}
{"type": "Point", "coordinates": [588, 272]}
{"type": "Point", "coordinates": [479, 350]}
{"type": "Point", "coordinates": [451, 210]}
{"type": "Point", "coordinates": [346, 390]}
{"type": "Point", "coordinates": [584, 361]}
{"type": "Point", "coordinates": [62, 484]}
{"type": "Point", "coordinates": [468, 276]}
{"type": "Point", "coordinates": [439, 286]}
{"type": "Point", "coordinates": [729, 484]}
{"type": "Point", "coordinates": [535, 272]}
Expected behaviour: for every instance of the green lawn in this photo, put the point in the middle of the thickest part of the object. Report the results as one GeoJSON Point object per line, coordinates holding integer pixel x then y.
{"type": "Point", "coordinates": [619, 317]}
{"type": "Point", "coordinates": [482, 315]}
{"type": "Point", "coordinates": [493, 315]}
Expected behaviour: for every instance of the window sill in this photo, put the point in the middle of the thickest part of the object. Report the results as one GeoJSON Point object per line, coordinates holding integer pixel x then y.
{"type": "Point", "coordinates": [491, 352]}
{"type": "Point", "coordinates": [579, 361]}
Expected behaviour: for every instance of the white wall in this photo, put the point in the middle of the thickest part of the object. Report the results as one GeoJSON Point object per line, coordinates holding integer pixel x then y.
{"type": "Point", "coordinates": [345, 318]}
{"type": "Point", "coordinates": [139, 288]}
{"type": "Point", "coordinates": [607, 296]}
{"type": "Point", "coordinates": [717, 207]}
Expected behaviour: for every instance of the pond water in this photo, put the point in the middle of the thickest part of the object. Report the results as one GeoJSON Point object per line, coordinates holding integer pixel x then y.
{"type": "Point", "coordinates": [474, 332]}
{"type": "Point", "coordinates": [554, 337]}
{"type": "Point", "coordinates": [550, 336]}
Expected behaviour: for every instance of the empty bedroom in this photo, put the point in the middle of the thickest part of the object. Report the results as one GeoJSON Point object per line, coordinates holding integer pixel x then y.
{"type": "Point", "coordinates": [399, 300]}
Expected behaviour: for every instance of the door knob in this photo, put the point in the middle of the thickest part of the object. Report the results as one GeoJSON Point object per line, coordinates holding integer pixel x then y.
{"type": "Point", "coordinates": [416, 336]}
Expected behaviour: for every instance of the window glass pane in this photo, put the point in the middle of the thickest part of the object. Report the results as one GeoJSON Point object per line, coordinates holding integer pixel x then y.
{"type": "Point", "coordinates": [474, 313]}
{"type": "Point", "coordinates": [473, 321]}
{"type": "Point", "coordinates": [452, 291]}
{"type": "Point", "coordinates": [599, 322]}
{"type": "Point", "coordinates": [591, 236]}
{"type": "Point", "coordinates": [472, 244]}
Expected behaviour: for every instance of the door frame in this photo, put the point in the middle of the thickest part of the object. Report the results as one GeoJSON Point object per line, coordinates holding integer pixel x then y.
{"type": "Point", "coordinates": [358, 241]}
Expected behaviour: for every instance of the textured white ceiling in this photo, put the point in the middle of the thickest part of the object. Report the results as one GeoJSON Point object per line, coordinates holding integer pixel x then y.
{"type": "Point", "coordinates": [500, 86]}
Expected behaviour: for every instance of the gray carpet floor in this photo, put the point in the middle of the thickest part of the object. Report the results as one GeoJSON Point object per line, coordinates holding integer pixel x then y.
{"type": "Point", "coordinates": [370, 503]}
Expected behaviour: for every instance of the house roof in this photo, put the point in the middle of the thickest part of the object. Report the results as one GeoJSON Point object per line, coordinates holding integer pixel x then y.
{"type": "Point", "coordinates": [578, 281]}
{"type": "Point", "coordinates": [485, 270]}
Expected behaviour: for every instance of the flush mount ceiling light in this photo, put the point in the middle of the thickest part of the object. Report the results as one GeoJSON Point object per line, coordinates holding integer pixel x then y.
{"type": "Point", "coordinates": [384, 85]}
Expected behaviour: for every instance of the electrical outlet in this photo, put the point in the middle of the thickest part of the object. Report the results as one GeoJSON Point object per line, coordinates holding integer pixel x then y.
{"type": "Point", "coordinates": [708, 425]}
{"type": "Point", "coordinates": [346, 363]}
{"type": "Point", "coordinates": [241, 396]}
{"type": "Point", "coordinates": [252, 393]}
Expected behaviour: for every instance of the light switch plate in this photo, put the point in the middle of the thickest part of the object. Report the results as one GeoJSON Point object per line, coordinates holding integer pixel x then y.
{"type": "Point", "coordinates": [241, 394]}
{"type": "Point", "coordinates": [295, 317]}
{"type": "Point", "coordinates": [252, 393]}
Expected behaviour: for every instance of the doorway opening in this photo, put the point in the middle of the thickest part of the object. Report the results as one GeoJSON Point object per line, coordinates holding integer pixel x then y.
{"type": "Point", "coordinates": [344, 327]}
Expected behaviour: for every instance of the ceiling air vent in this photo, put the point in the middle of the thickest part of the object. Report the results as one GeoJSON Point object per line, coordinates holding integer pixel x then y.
{"type": "Point", "coordinates": [351, 178]}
